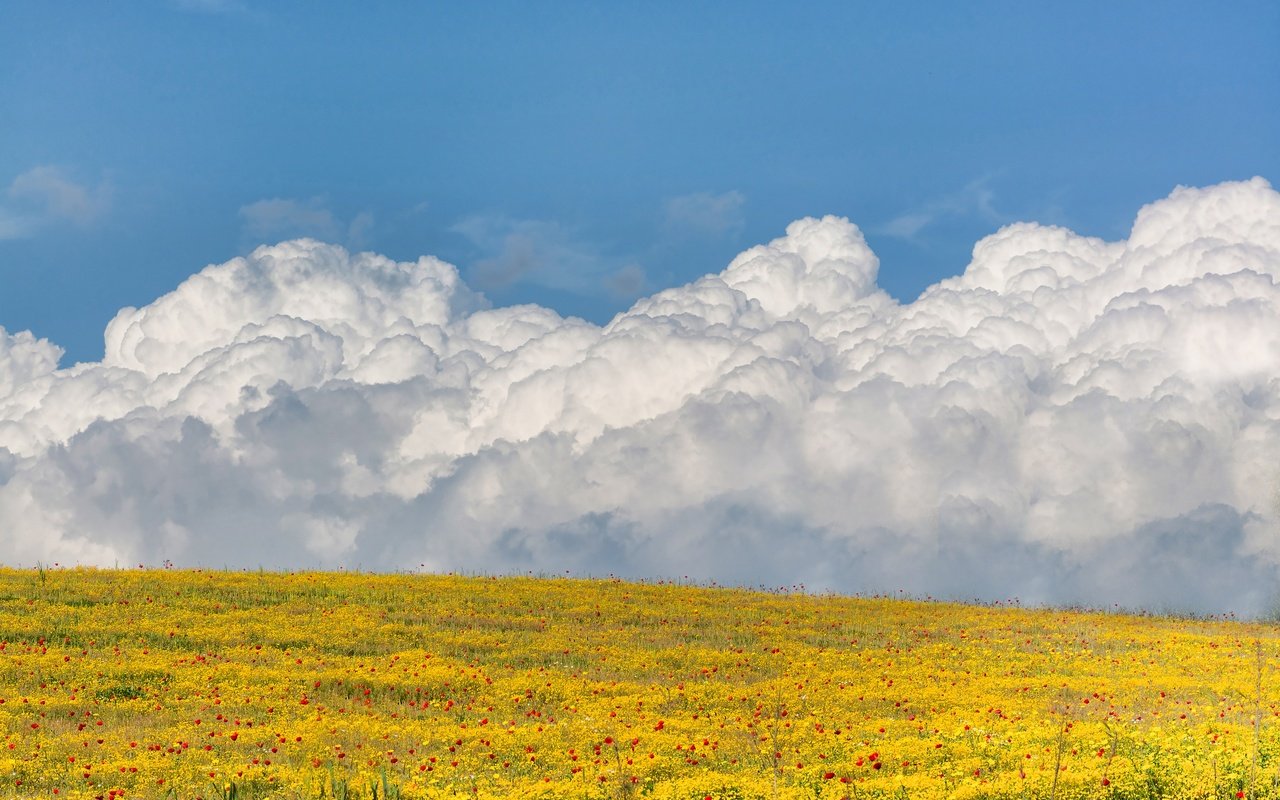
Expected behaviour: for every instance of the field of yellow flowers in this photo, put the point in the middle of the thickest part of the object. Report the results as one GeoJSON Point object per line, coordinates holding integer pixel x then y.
{"type": "Point", "coordinates": [186, 684]}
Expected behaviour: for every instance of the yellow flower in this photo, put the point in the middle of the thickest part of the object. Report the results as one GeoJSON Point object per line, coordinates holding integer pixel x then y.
{"type": "Point", "coordinates": [142, 683]}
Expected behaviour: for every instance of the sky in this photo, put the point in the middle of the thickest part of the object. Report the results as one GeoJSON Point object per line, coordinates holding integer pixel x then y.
{"type": "Point", "coordinates": [581, 156]}
{"type": "Point", "coordinates": [971, 301]}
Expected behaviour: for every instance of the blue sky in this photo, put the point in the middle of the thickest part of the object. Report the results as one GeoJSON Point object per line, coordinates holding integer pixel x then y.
{"type": "Point", "coordinates": [580, 155]}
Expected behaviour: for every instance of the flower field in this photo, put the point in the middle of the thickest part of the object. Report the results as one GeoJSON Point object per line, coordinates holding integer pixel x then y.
{"type": "Point", "coordinates": [158, 683]}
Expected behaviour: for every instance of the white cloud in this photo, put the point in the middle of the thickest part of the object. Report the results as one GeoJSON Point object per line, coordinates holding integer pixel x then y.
{"type": "Point", "coordinates": [46, 195]}
{"type": "Point", "coordinates": [24, 358]}
{"type": "Point", "coordinates": [705, 214]}
{"type": "Point", "coordinates": [1069, 420]}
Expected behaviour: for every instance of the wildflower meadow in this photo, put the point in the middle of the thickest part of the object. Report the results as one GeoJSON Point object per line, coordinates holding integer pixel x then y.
{"type": "Point", "coordinates": [188, 684]}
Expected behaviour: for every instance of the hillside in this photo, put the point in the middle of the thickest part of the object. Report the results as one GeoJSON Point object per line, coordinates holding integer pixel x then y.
{"type": "Point", "coordinates": [156, 683]}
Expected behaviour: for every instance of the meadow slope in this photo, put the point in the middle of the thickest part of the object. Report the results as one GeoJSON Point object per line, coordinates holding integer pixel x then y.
{"type": "Point", "coordinates": [159, 683]}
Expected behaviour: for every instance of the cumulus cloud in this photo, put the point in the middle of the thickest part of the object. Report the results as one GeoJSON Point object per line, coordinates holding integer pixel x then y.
{"type": "Point", "coordinates": [1067, 420]}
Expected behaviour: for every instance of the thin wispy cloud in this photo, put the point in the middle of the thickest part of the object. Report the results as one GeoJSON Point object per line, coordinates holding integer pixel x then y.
{"type": "Point", "coordinates": [279, 218]}
{"type": "Point", "coordinates": [47, 196]}
{"type": "Point", "coordinates": [15, 226]}
{"type": "Point", "coordinates": [627, 282]}
{"type": "Point", "coordinates": [705, 214]}
{"type": "Point", "coordinates": [976, 201]}
{"type": "Point", "coordinates": [544, 253]}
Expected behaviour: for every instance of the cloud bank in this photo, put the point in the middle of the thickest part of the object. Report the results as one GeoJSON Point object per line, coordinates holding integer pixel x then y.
{"type": "Point", "coordinates": [1068, 420]}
